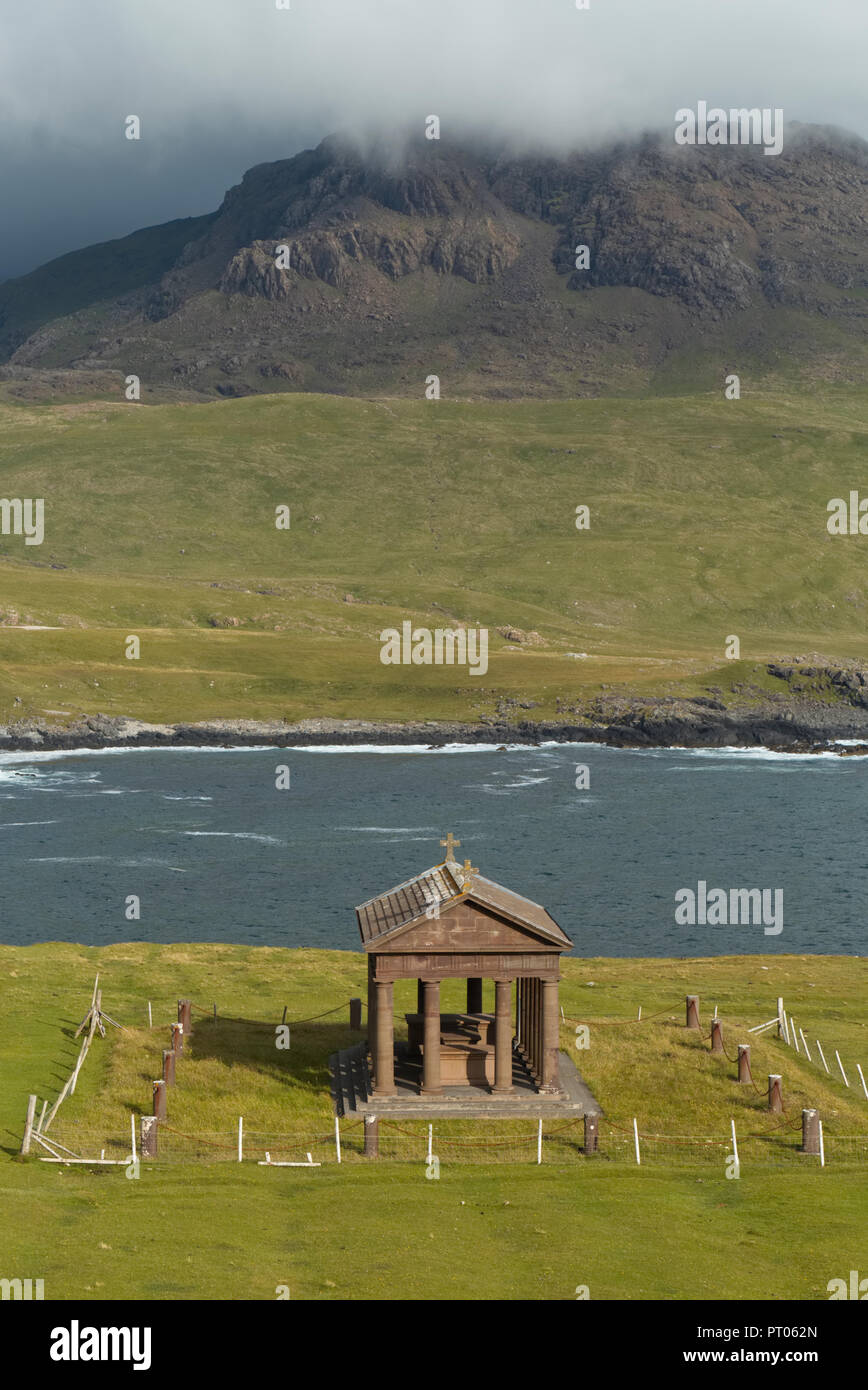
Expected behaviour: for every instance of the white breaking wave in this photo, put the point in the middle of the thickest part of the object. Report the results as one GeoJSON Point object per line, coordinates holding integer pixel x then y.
{"type": "Point", "coordinates": [392, 829]}
{"type": "Point", "coordinates": [427, 748]}
{"type": "Point", "coordinates": [53, 754]}
{"type": "Point", "coordinates": [753, 754]}
{"type": "Point", "coordinates": [230, 835]}
{"type": "Point", "coordinates": [507, 786]}
{"type": "Point", "coordinates": [105, 859]}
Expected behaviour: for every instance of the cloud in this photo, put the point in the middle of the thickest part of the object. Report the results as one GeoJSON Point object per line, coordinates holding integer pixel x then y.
{"type": "Point", "coordinates": [222, 84]}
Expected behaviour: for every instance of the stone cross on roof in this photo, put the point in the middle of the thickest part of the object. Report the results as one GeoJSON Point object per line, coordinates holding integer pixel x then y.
{"type": "Point", "coordinates": [469, 871]}
{"type": "Point", "coordinates": [451, 844]}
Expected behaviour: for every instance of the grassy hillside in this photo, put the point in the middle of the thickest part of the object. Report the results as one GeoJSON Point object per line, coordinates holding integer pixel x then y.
{"type": "Point", "coordinates": [708, 518]}
{"type": "Point", "coordinates": [82, 279]}
{"type": "Point", "coordinates": [502, 1230]}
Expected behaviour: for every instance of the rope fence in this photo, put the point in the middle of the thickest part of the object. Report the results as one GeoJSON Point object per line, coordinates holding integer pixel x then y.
{"type": "Point", "coordinates": [513, 1141]}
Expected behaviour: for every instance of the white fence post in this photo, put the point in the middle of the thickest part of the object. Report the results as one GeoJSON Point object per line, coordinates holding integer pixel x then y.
{"type": "Point", "coordinates": [822, 1146]}
{"type": "Point", "coordinates": [539, 1142]}
{"type": "Point", "coordinates": [843, 1073]}
{"type": "Point", "coordinates": [240, 1138]}
{"type": "Point", "coordinates": [338, 1138]}
{"type": "Point", "coordinates": [636, 1139]}
{"type": "Point", "coordinates": [735, 1146]}
{"type": "Point", "coordinates": [822, 1057]}
{"type": "Point", "coordinates": [862, 1079]}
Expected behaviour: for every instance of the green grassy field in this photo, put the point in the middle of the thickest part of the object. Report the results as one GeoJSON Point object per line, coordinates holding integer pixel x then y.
{"type": "Point", "coordinates": [708, 518]}
{"type": "Point", "coordinates": [379, 1229]}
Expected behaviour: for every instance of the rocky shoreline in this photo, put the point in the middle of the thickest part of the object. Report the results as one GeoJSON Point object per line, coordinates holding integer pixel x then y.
{"type": "Point", "coordinates": [807, 728]}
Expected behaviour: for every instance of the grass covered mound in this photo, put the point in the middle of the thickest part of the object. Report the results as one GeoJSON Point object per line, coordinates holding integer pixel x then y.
{"type": "Point", "coordinates": [707, 519]}
{"type": "Point", "coordinates": [379, 1229]}
{"type": "Point", "coordinates": [655, 1069]}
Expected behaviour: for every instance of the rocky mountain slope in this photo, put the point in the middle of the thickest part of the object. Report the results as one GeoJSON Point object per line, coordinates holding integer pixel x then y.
{"type": "Point", "coordinates": [461, 262]}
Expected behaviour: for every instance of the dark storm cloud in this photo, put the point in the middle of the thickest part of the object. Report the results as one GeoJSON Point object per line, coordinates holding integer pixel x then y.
{"type": "Point", "coordinates": [223, 84]}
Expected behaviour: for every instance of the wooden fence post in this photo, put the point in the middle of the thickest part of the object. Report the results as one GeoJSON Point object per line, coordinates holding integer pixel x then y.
{"type": "Point", "coordinates": [177, 1039]}
{"type": "Point", "coordinates": [716, 1038]}
{"type": "Point", "coordinates": [592, 1123]}
{"type": "Point", "coordinates": [159, 1100]}
{"type": "Point", "coordinates": [356, 1015]}
{"type": "Point", "coordinates": [810, 1131]}
{"type": "Point", "coordinates": [744, 1063]}
{"type": "Point", "coordinates": [776, 1102]}
{"type": "Point", "coordinates": [372, 1136]}
{"type": "Point", "coordinates": [148, 1136]}
{"type": "Point", "coordinates": [693, 1011]}
{"type": "Point", "coordinates": [185, 1016]}
{"type": "Point", "coordinates": [28, 1125]}
{"type": "Point", "coordinates": [169, 1067]}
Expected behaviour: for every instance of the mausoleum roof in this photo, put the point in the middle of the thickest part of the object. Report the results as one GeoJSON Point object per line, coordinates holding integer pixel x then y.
{"type": "Point", "coordinates": [446, 884]}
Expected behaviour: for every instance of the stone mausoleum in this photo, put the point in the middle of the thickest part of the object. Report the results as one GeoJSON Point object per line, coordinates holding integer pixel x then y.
{"type": "Point", "coordinates": [450, 922]}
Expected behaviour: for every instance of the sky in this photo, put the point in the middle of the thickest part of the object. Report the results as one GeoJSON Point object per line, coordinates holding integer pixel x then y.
{"type": "Point", "coordinates": [220, 85]}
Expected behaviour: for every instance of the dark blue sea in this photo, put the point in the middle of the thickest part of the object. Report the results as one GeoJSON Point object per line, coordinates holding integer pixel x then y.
{"type": "Point", "coordinates": [215, 851]}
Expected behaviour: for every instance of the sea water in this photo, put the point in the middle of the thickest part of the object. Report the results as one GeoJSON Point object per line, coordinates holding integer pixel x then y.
{"type": "Point", "coordinates": [214, 846]}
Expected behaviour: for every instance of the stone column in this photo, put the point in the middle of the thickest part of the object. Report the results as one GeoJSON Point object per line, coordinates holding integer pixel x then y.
{"type": "Point", "coordinates": [384, 1045]}
{"type": "Point", "coordinates": [534, 1026]}
{"type": "Point", "coordinates": [420, 996]}
{"type": "Point", "coordinates": [372, 1015]}
{"type": "Point", "coordinates": [776, 1100]}
{"type": "Point", "coordinates": [550, 1078]}
{"type": "Point", "coordinates": [518, 985]}
{"type": "Point", "coordinates": [810, 1131]}
{"type": "Point", "coordinates": [431, 1051]}
{"type": "Point", "coordinates": [474, 994]}
{"type": "Point", "coordinates": [502, 1036]}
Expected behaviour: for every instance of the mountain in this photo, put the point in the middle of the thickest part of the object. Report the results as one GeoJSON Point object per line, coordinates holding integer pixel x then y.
{"type": "Point", "coordinates": [461, 262]}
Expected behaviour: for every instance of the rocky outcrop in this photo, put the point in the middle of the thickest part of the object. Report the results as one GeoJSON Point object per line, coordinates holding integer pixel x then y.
{"type": "Point", "coordinates": [477, 252]}
{"type": "Point", "coordinates": [619, 721]}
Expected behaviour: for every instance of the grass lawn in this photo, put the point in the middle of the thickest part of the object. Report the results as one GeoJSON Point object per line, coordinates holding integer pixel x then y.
{"type": "Point", "coordinates": [708, 519]}
{"type": "Point", "coordinates": [381, 1229]}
